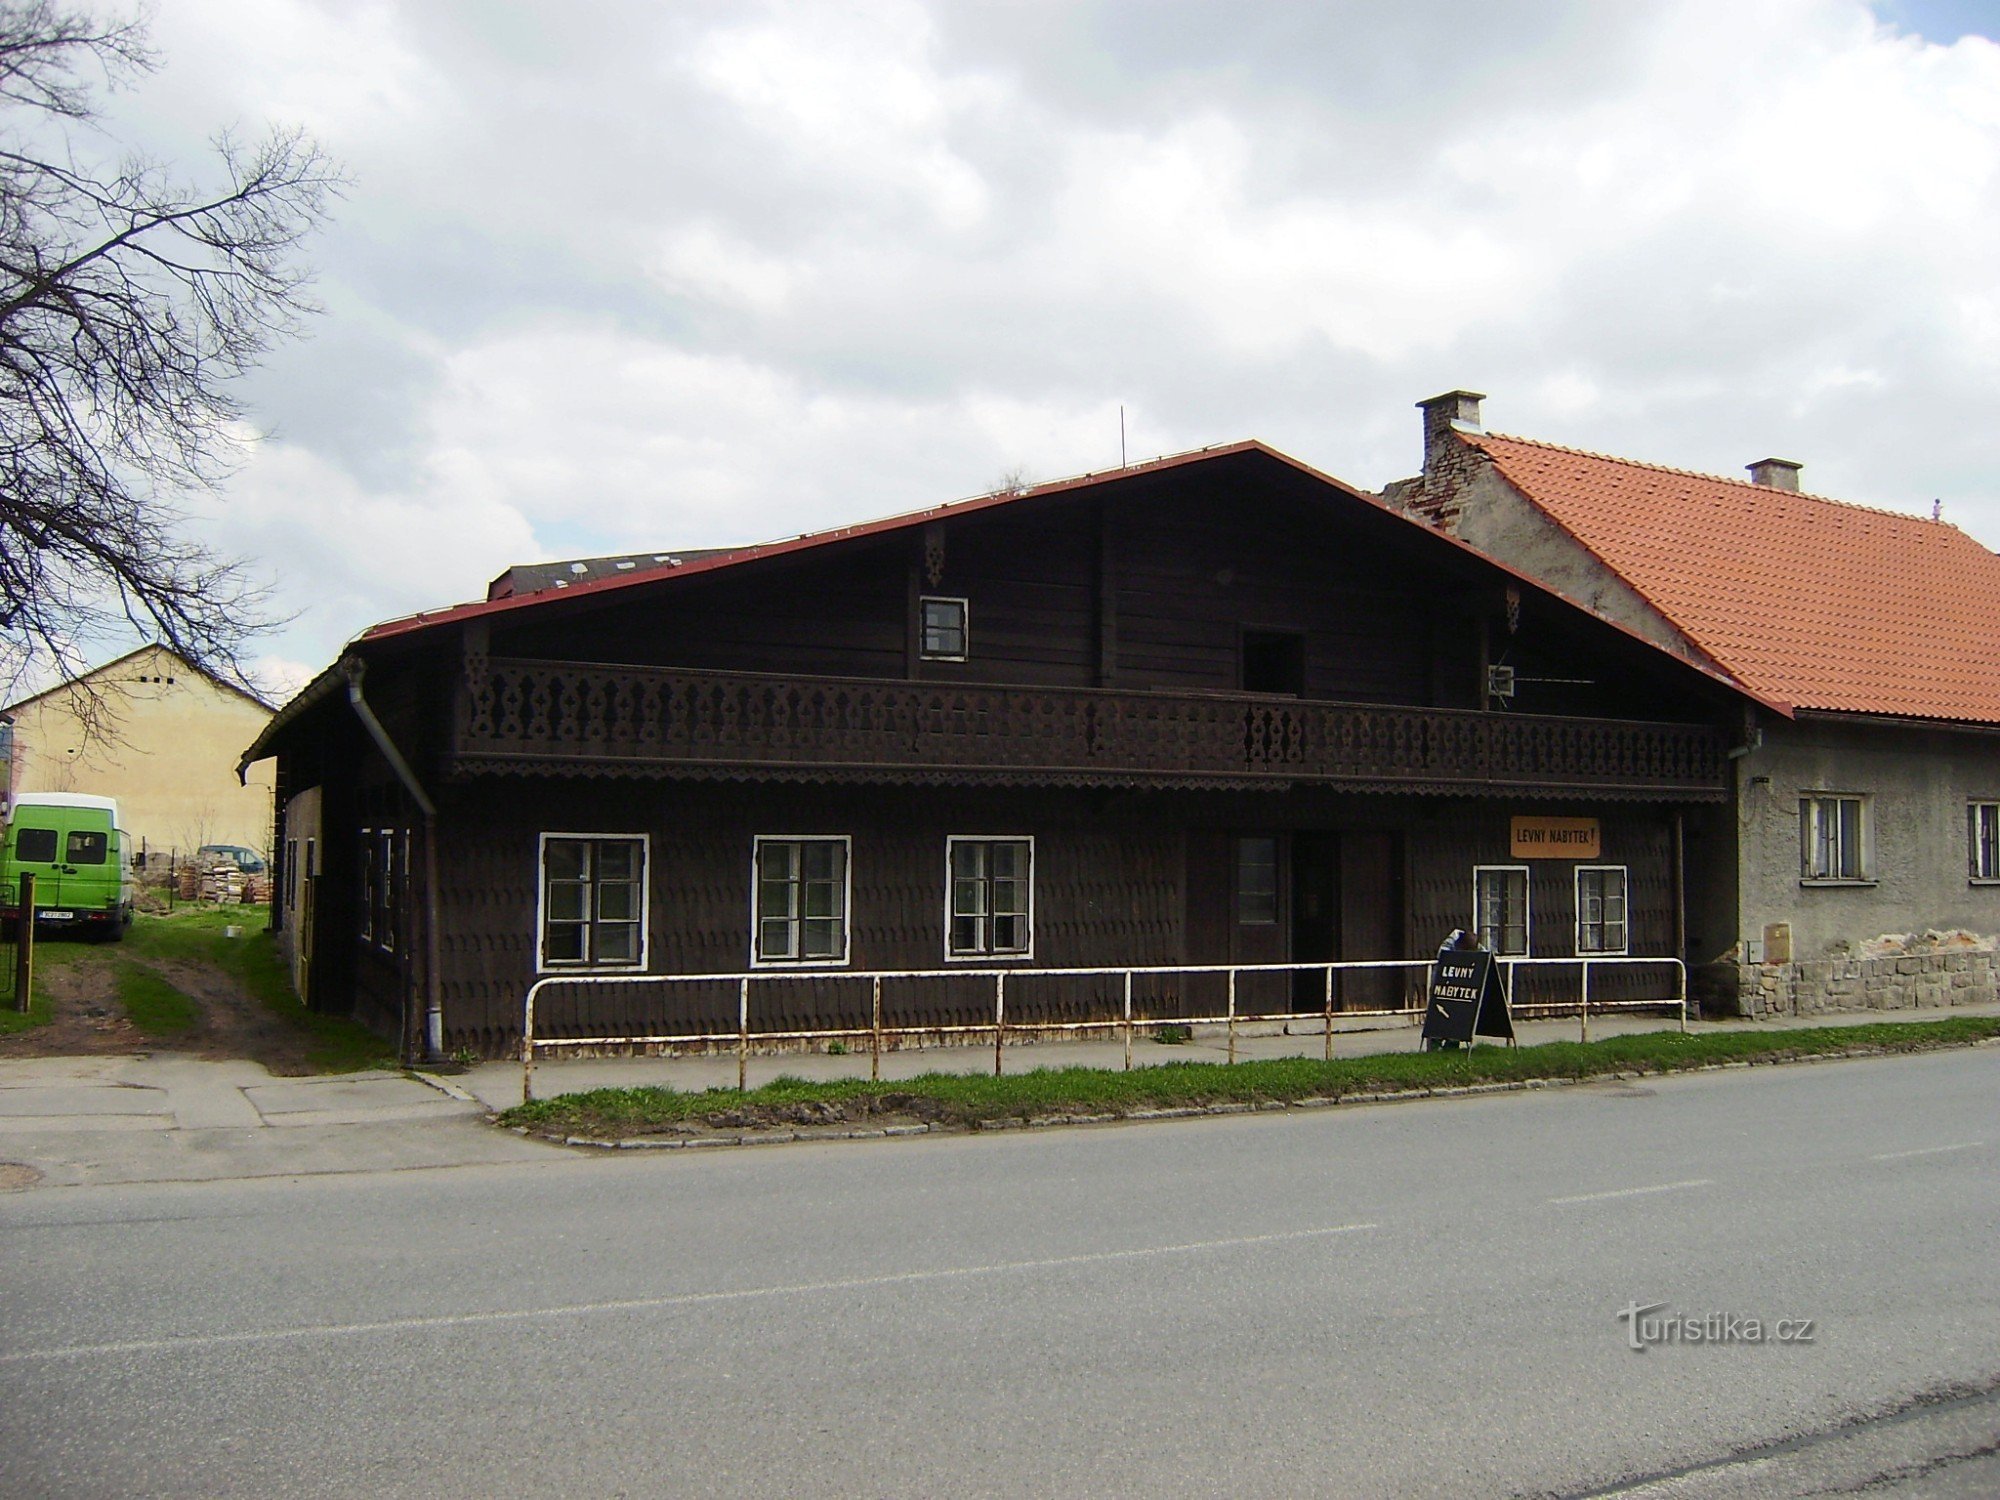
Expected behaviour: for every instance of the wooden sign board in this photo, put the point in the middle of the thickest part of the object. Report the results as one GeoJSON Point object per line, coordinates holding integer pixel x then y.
{"type": "Point", "coordinates": [1466, 998]}
{"type": "Point", "coordinates": [1557, 838]}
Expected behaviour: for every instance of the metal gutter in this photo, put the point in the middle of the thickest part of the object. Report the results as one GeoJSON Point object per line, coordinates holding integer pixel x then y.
{"type": "Point", "coordinates": [352, 669]}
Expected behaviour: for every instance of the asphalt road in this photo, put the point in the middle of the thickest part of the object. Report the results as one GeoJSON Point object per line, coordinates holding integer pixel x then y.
{"type": "Point", "coordinates": [1398, 1300]}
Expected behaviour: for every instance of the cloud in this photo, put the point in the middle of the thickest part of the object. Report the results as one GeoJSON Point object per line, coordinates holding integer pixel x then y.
{"type": "Point", "coordinates": [634, 276]}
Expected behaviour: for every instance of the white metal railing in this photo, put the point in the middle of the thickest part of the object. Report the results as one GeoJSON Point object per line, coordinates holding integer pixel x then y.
{"type": "Point", "coordinates": [1126, 1022]}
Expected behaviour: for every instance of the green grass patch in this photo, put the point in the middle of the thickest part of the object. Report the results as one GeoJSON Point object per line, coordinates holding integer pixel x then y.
{"type": "Point", "coordinates": [39, 1013]}
{"type": "Point", "coordinates": [152, 1004]}
{"type": "Point", "coordinates": [969, 1099]}
{"type": "Point", "coordinates": [51, 952]}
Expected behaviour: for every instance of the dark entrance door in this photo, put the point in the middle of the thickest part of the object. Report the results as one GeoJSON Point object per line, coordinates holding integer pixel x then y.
{"type": "Point", "coordinates": [1371, 919]}
{"type": "Point", "coordinates": [1312, 896]}
{"type": "Point", "coordinates": [1316, 914]}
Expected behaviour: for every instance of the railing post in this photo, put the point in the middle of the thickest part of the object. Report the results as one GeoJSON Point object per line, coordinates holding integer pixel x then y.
{"type": "Point", "coordinates": [875, 1031]}
{"type": "Point", "coordinates": [742, 1036]}
{"type": "Point", "coordinates": [1129, 1021]}
{"type": "Point", "coordinates": [24, 939]}
{"type": "Point", "coordinates": [1329, 1012]}
{"type": "Point", "coordinates": [528, 1044]}
{"type": "Point", "coordinates": [1583, 1010]}
{"type": "Point", "coordinates": [999, 1017]}
{"type": "Point", "coordinates": [1232, 1015]}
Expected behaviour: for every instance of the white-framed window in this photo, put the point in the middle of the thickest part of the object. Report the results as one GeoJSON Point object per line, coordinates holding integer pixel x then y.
{"type": "Point", "coordinates": [593, 901]}
{"type": "Point", "coordinates": [990, 897]}
{"type": "Point", "coordinates": [1833, 837]}
{"type": "Point", "coordinates": [1500, 908]}
{"type": "Point", "coordinates": [944, 627]}
{"type": "Point", "coordinates": [391, 856]}
{"type": "Point", "coordinates": [1257, 902]}
{"type": "Point", "coordinates": [1982, 830]}
{"type": "Point", "coordinates": [371, 881]}
{"type": "Point", "coordinates": [799, 900]}
{"type": "Point", "coordinates": [1600, 909]}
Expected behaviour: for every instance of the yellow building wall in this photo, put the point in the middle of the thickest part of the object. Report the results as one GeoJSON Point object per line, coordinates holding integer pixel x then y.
{"type": "Point", "coordinates": [164, 740]}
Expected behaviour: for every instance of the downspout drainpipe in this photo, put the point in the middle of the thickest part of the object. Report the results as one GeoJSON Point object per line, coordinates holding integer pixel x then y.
{"type": "Point", "coordinates": [433, 1003]}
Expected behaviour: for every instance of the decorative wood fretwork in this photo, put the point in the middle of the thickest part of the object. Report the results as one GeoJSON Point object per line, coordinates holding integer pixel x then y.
{"type": "Point", "coordinates": [566, 718]}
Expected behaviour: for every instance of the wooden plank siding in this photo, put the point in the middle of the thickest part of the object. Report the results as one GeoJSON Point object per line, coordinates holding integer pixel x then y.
{"type": "Point", "coordinates": [1139, 880]}
{"type": "Point", "coordinates": [1101, 711]}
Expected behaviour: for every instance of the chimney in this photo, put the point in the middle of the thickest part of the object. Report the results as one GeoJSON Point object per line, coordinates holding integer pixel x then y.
{"type": "Point", "coordinates": [1454, 409]}
{"type": "Point", "coordinates": [1778, 473]}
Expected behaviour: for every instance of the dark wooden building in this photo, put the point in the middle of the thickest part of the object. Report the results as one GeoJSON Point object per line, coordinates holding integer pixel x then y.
{"type": "Point", "coordinates": [1217, 708]}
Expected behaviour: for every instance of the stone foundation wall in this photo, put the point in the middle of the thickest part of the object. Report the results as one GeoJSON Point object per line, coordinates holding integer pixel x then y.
{"type": "Point", "coordinates": [1908, 981]}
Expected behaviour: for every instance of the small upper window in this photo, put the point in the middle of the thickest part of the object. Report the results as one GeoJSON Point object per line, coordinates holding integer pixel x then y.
{"type": "Point", "coordinates": [1600, 909]}
{"type": "Point", "coordinates": [1832, 838]}
{"type": "Point", "coordinates": [1274, 661]}
{"type": "Point", "coordinates": [944, 629]}
{"type": "Point", "coordinates": [1983, 829]}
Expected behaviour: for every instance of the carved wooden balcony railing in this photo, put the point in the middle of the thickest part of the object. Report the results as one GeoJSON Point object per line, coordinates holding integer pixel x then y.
{"type": "Point", "coordinates": [534, 716]}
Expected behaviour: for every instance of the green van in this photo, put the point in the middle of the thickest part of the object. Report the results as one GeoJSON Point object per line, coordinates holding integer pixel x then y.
{"type": "Point", "coordinates": [72, 844]}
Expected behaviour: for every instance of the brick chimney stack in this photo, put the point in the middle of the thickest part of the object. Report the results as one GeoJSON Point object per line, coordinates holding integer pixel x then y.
{"type": "Point", "coordinates": [1778, 473]}
{"type": "Point", "coordinates": [1433, 496]}
{"type": "Point", "coordinates": [1454, 409]}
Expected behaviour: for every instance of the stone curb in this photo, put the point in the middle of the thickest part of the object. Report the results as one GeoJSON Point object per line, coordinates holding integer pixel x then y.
{"type": "Point", "coordinates": [1237, 1107]}
{"type": "Point", "coordinates": [444, 1086]}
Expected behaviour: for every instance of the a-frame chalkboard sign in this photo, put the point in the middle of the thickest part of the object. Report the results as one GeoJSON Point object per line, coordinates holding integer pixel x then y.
{"type": "Point", "coordinates": [1467, 997]}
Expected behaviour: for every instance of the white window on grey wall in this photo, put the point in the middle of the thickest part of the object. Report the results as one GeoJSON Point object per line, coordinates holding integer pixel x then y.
{"type": "Point", "coordinates": [593, 901]}
{"type": "Point", "coordinates": [1833, 835]}
{"type": "Point", "coordinates": [1982, 822]}
{"type": "Point", "coordinates": [1600, 909]}
{"type": "Point", "coordinates": [1500, 908]}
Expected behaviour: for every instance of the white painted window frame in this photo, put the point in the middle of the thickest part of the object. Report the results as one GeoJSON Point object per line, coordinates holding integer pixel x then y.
{"type": "Point", "coordinates": [543, 964]}
{"type": "Point", "coordinates": [1812, 802]}
{"type": "Point", "coordinates": [964, 627]}
{"type": "Point", "coordinates": [1527, 905]}
{"type": "Point", "coordinates": [1624, 949]}
{"type": "Point", "coordinates": [846, 956]}
{"type": "Point", "coordinates": [1978, 809]}
{"type": "Point", "coordinates": [987, 955]}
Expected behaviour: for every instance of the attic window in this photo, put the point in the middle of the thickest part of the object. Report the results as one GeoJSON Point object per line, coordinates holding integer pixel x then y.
{"type": "Point", "coordinates": [944, 629]}
{"type": "Point", "coordinates": [1274, 661]}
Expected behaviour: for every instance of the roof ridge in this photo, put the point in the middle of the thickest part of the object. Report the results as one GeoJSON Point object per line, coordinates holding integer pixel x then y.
{"type": "Point", "coordinates": [1748, 484]}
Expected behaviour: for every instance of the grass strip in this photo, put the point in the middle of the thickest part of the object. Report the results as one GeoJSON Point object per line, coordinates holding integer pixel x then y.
{"type": "Point", "coordinates": [152, 1004]}
{"type": "Point", "coordinates": [969, 1099]}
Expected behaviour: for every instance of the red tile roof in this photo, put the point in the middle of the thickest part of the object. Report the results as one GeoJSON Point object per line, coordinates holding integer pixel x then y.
{"type": "Point", "coordinates": [1812, 602]}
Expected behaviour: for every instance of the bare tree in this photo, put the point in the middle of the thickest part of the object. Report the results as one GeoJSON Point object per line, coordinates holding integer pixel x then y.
{"type": "Point", "coordinates": [131, 299]}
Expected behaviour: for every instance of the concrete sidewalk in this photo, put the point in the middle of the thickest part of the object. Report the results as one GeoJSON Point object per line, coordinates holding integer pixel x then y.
{"type": "Point", "coordinates": [498, 1084]}
{"type": "Point", "coordinates": [161, 1117]}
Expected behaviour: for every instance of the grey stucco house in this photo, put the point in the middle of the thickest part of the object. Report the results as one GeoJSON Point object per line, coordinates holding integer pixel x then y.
{"type": "Point", "coordinates": [1858, 865]}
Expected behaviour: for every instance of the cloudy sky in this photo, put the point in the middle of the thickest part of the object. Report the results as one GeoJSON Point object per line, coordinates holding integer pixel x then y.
{"type": "Point", "coordinates": [617, 275]}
